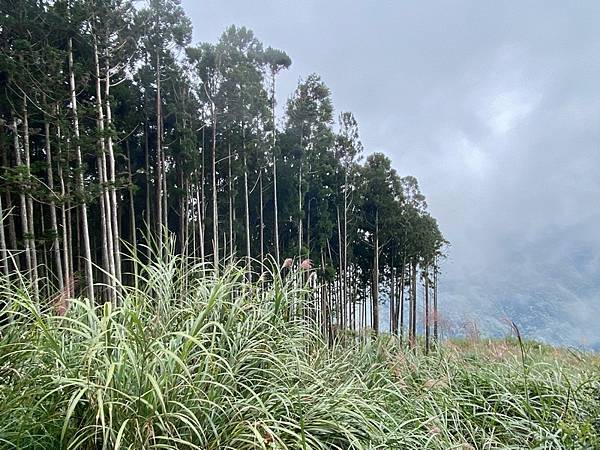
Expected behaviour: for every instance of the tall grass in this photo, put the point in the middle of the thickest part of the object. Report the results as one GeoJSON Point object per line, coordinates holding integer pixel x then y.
{"type": "Point", "coordinates": [194, 361]}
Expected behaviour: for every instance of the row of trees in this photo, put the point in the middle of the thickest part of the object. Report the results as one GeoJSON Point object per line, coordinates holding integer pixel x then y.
{"type": "Point", "coordinates": [114, 130]}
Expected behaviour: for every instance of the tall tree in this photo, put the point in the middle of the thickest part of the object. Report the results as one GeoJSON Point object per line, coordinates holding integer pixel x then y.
{"type": "Point", "coordinates": [276, 60]}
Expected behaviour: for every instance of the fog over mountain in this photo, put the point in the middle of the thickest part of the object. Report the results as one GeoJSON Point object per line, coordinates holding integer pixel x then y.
{"type": "Point", "coordinates": [495, 107]}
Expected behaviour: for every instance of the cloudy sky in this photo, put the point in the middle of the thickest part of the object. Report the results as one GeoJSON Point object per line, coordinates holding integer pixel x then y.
{"type": "Point", "coordinates": [495, 107]}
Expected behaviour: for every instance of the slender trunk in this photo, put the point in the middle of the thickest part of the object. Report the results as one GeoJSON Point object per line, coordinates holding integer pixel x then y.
{"type": "Point", "coordinates": [401, 302]}
{"type": "Point", "coordinates": [413, 303]}
{"type": "Point", "coordinates": [230, 195]}
{"type": "Point", "coordinates": [63, 214]}
{"type": "Point", "coordinates": [392, 298]}
{"type": "Point", "coordinates": [4, 254]}
{"type": "Point", "coordinates": [12, 229]}
{"type": "Point", "coordinates": [44, 273]}
{"type": "Point", "coordinates": [199, 207]}
{"type": "Point", "coordinates": [30, 223]}
{"type": "Point", "coordinates": [84, 219]}
{"type": "Point", "coordinates": [341, 272]}
{"type": "Point", "coordinates": [247, 207]}
{"type": "Point", "coordinates": [53, 221]}
{"type": "Point", "coordinates": [182, 214]}
{"type": "Point", "coordinates": [202, 202]}
{"type": "Point", "coordinates": [275, 210]}
{"type": "Point", "coordinates": [300, 212]}
{"type": "Point", "coordinates": [159, 168]}
{"type": "Point", "coordinates": [132, 224]}
{"type": "Point", "coordinates": [147, 172]}
{"type": "Point", "coordinates": [165, 191]}
{"type": "Point", "coordinates": [214, 190]}
{"type": "Point", "coordinates": [23, 202]}
{"type": "Point", "coordinates": [262, 222]}
{"type": "Point", "coordinates": [375, 310]}
{"type": "Point", "coordinates": [107, 235]}
{"type": "Point", "coordinates": [427, 327]}
{"type": "Point", "coordinates": [344, 268]}
{"type": "Point", "coordinates": [435, 302]}
{"type": "Point", "coordinates": [3, 249]}
{"type": "Point", "coordinates": [112, 179]}
{"type": "Point", "coordinates": [12, 233]}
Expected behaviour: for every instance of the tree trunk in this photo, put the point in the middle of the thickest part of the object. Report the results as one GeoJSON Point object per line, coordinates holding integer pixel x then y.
{"type": "Point", "coordinates": [147, 172]}
{"type": "Point", "coordinates": [23, 202]}
{"type": "Point", "coordinates": [262, 222]}
{"type": "Point", "coordinates": [230, 192]}
{"type": "Point", "coordinates": [4, 253]}
{"type": "Point", "coordinates": [341, 272]}
{"type": "Point", "coordinates": [275, 210]}
{"type": "Point", "coordinates": [84, 219]}
{"type": "Point", "coordinates": [65, 217]}
{"type": "Point", "coordinates": [401, 302]}
{"type": "Point", "coordinates": [393, 329]}
{"type": "Point", "coordinates": [29, 209]}
{"type": "Point", "coordinates": [3, 249]}
{"type": "Point", "coordinates": [159, 168]}
{"type": "Point", "coordinates": [344, 268]}
{"type": "Point", "coordinates": [199, 207]}
{"type": "Point", "coordinates": [214, 190]}
{"type": "Point", "coordinates": [427, 327]}
{"type": "Point", "coordinates": [107, 235]}
{"type": "Point", "coordinates": [413, 299]}
{"type": "Point", "coordinates": [300, 213]}
{"type": "Point", "coordinates": [132, 224]}
{"type": "Point", "coordinates": [53, 221]}
{"type": "Point", "coordinates": [375, 311]}
{"type": "Point", "coordinates": [114, 206]}
{"type": "Point", "coordinates": [435, 302]}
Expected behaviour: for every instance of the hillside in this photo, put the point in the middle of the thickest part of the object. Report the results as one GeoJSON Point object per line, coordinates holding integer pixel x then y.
{"type": "Point", "coordinates": [190, 360]}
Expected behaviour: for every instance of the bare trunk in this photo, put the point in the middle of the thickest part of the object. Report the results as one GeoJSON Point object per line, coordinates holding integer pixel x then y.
{"type": "Point", "coordinates": [199, 203]}
{"type": "Point", "coordinates": [435, 302]}
{"type": "Point", "coordinates": [147, 172]}
{"type": "Point", "coordinates": [392, 299]}
{"type": "Point", "coordinates": [300, 213]}
{"type": "Point", "coordinates": [12, 229]}
{"type": "Point", "coordinates": [159, 167]}
{"type": "Point", "coordinates": [341, 272]}
{"type": "Point", "coordinates": [105, 206]}
{"type": "Point", "coordinates": [247, 207]}
{"type": "Point", "coordinates": [132, 224]}
{"type": "Point", "coordinates": [262, 222]}
{"type": "Point", "coordinates": [84, 219]}
{"type": "Point", "coordinates": [114, 206]}
{"type": "Point", "coordinates": [275, 210]}
{"type": "Point", "coordinates": [230, 194]}
{"type": "Point", "coordinates": [3, 249]}
{"type": "Point", "coordinates": [30, 223]}
{"type": "Point", "coordinates": [53, 221]}
{"type": "Point", "coordinates": [413, 307]}
{"type": "Point", "coordinates": [344, 268]}
{"type": "Point", "coordinates": [214, 191]}
{"type": "Point", "coordinates": [401, 302]}
{"type": "Point", "coordinates": [67, 267]}
{"type": "Point", "coordinates": [427, 327]}
{"type": "Point", "coordinates": [23, 201]}
{"type": "Point", "coordinates": [375, 310]}
{"type": "Point", "coordinates": [202, 204]}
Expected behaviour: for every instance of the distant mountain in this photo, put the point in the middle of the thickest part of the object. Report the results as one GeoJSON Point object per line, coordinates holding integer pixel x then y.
{"type": "Point", "coordinates": [553, 297]}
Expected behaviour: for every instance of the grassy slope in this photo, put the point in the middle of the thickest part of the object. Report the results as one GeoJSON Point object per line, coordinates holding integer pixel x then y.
{"type": "Point", "coordinates": [196, 362]}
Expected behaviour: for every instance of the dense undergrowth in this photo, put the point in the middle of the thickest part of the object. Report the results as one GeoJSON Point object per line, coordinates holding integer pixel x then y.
{"type": "Point", "coordinates": [191, 360]}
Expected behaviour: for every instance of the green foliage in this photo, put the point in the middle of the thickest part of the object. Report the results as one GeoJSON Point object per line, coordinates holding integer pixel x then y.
{"type": "Point", "coordinates": [193, 361]}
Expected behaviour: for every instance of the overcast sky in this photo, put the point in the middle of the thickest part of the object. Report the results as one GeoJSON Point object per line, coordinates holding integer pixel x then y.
{"type": "Point", "coordinates": [495, 107]}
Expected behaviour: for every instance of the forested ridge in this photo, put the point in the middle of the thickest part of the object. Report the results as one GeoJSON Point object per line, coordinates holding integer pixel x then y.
{"type": "Point", "coordinates": [185, 264]}
{"type": "Point", "coordinates": [117, 132]}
